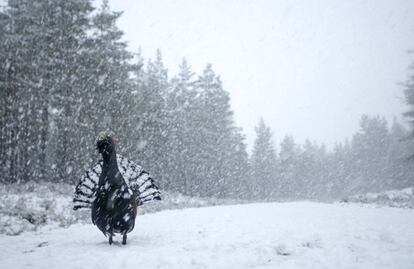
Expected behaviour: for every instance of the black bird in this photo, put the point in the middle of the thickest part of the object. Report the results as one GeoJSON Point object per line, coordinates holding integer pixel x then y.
{"type": "Point", "coordinates": [113, 189]}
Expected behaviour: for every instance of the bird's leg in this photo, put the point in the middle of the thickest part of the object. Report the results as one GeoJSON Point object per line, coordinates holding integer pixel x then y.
{"type": "Point", "coordinates": [110, 239]}
{"type": "Point", "coordinates": [124, 239]}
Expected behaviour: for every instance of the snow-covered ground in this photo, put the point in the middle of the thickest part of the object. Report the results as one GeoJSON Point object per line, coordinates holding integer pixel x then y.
{"type": "Point", "coordinates": [30, 206]}
{"type": "Point", "coordinates": [267, 235]}
{"type": "Point", "coordinates": [394, 198]}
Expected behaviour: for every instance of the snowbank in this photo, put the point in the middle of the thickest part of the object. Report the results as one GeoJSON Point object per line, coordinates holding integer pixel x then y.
{"type": "Point", "coordinates": [26, 207]}
{"type": "Point", "coordinates": [394, 198]}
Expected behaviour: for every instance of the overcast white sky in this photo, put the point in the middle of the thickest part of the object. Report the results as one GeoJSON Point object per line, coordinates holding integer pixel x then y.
{"type": "Point", "coordinates": [310, 68]}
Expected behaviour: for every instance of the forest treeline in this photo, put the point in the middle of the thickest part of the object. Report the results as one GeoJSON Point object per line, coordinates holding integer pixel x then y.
{"type": "Point", "coordinates": [66, 75]}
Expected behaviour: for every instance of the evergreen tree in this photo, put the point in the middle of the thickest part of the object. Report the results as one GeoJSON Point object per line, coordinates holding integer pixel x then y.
{"type": "Point", "coordinates": [10, 64]}
{"type": "Point", "coordinates": [237, 166]}
{"type": "Point", "coordinates": [152, 119]}
{"type": "Point", "coordinates": [339, 170]}
{"type": "Point", "coordinates": [287, 167]}
{"type": "Point", "coordinates": [399, 164]}
{"type": "Point", "coordinates": [263, 164]}
{"type": "Point", "coordinates": [4, 21]}
{"type": "Point", "coordinates": [26, 110]}
{"type": "Point", "coordinates": [51, 68]}
{"type": "Point", "coordinates": [370, 146]}
{"type": "Point", "coordinates": [180, 150]}
{"type": "Point", "coordinates": [213, 120]}
{"type": "Point", "coordinates": [69, 22]}
{"type": "Point", "coordinates": [409, 98]}
{"type": "Point", "coordinates": [310, 181]}
{"type": "Point", "coordinates": [106, 100]}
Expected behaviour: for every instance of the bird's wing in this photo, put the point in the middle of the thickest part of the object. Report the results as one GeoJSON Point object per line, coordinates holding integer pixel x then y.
{"type": "Point", "coordinates": [139, 181]}
{"type": "Point", "coordinates": [85, 191]}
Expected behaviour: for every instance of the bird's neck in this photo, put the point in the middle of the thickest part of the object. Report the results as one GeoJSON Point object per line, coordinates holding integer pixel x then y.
{"type": "Point", "coordinates": [109, 159]}
{"type": "Point", "coordinates": [109, 169]}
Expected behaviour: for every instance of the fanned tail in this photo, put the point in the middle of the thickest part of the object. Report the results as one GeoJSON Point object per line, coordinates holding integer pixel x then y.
{"type": "Point", "coordinates": [85, 191]}
{"type": "Point", "coordinates": [138, 180]}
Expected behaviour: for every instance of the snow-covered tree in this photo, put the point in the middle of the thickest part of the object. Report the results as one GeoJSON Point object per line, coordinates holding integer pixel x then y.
{"type": "Point", "coordinates": [311, 182]}
{"type": "Point", "coordinates": [107, 102]}
{"type": "Point", "coordinates": [339, 170]}
{"type": "Point", "coordinates": [218, 140]}
{"type": "Point", "coordinates": [263, 164]}
{"type": "Point", "coordinates": [180, 150]}
{"type": "Point", "coordinates": [152, 121]}
{"type": "Point", "coordinates": [400, 165]}
{"type": "Point", "coordinates": [370, 146]}
{"type": "Point", "coordinates": [287, 167]}
{"type": "Point", "coordinates": [409, 97]}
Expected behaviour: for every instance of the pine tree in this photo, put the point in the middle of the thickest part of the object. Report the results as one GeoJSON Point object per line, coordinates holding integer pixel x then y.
{"type": "Point", "coordinates": [340, 170]}
{"type": "Point", "coordinates": [399, 165]}
{"type": "Point", "coordinates": [409, 97]}
{"type": "Point", "coordinates": [152, 119]}
{"type": "Point", "coordinates": [106, 99]}
{"type": "Point", "coordinates": [287, 167]}
{"type": "Point", "coordinates": [263, 164]}
{"type": "Point", "coordinates": [4, 20]}
{"type": "Point", "coordinates": [9, 64]}
{"type": "Point", "coordinates": [237, 167]}
{"type": "Point", "coordinates": [68, 23]}
{"type": "Point", "coordinates": [52, 68]}
{"type": "Point", "coordinates": [310, 180]}
{"type": "Point", "coordinates": [24, 95]}
{"type": "Point", "coordinates": [213, 120]}
{"type": "Point", "coordinates": [370, 148]}
{"type": "Point", "coordinates": [179, 146]}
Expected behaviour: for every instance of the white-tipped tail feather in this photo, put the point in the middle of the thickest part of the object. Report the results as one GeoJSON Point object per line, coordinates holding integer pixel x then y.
{"type": "Point", "coordinates": [138, 180]}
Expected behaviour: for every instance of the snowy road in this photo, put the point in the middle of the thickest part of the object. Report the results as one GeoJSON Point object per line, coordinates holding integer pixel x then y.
{"type": "Point", "coordinates": [273, 235]}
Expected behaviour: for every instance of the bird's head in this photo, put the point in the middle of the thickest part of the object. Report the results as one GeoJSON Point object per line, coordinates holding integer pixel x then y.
{"type": "Point", "coordinates": [105, 143]}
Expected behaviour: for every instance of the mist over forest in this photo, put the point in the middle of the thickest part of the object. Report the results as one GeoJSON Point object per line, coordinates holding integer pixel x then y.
{"type": "Point", "coordinates": [66, 74]}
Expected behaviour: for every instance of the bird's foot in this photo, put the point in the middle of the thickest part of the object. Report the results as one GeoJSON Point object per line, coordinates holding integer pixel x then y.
{"type": "Point", "coordinates": [110, 240]}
